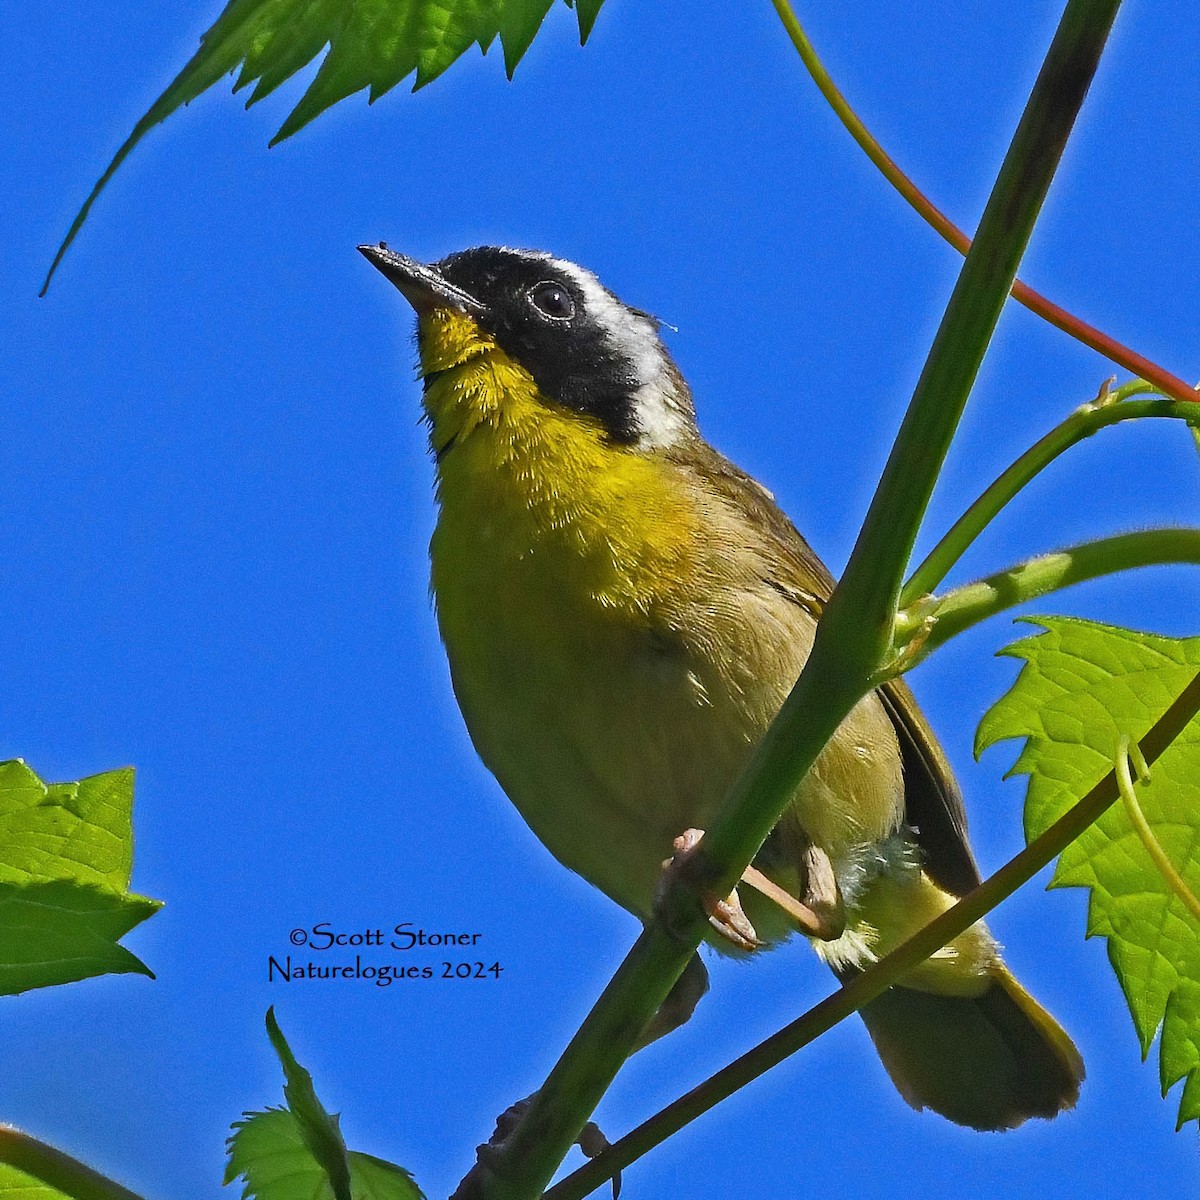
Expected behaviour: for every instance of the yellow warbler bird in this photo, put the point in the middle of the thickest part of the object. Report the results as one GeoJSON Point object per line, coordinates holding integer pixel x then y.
{"type": "Point", "coordinates": [624, 612]}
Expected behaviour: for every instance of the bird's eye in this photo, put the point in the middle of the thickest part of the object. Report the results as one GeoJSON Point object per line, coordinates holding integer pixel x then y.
{"type": "Point", "coordinates": [552, 300]}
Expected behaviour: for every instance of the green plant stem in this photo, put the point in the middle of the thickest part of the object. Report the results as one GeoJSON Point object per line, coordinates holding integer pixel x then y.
{"type": "Point", "coordinates": [1163, 380]}
{"type": "Point", "coordinates": [853, 637]}
{"type": "Point", "coordinates": [1082, 423]}
{"type": "Point", "coordinates": [888, 970]}
{"type": "Point", "coordinates": [532, 1153]}
{"type": "Point", "coordinates": [56, 1169]}
{"type": "Point", "coordinates": [974, 602]}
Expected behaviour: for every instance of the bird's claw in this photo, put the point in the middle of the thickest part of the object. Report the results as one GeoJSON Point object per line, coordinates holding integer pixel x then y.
{"type": "Point", "coordinates": [593, 1143]}
{"type": "Point", "coordinates": [724, 915]}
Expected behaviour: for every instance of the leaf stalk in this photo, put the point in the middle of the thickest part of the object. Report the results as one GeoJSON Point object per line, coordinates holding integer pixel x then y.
{"type": "Point", "coordinates": [974, 602]}
{"type": "Point", "coordinates": [1082, 423]}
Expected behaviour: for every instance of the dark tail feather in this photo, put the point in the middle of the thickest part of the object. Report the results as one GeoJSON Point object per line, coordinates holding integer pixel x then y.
{"type": "Point", "coordinates": [989, 1062]}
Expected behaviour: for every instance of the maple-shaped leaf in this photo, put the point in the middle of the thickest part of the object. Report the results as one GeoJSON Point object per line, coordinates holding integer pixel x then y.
{"type": "Point", "coordinates": [297, 1152]}
{"type": "Point", "coordinates": [66, 853]}
{"type": "Point", "coordinates": [372, 44]}
{"type": "Point", "coordinates": [1082, 688]}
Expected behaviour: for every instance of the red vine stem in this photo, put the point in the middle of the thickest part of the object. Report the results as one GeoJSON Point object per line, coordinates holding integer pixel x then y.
{"type": "Point", "coordinates": [1166, 383]}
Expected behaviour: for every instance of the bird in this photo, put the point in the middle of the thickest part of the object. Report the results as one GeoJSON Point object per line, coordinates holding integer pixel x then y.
{"type": "Point", "coordinates": [624, 611]}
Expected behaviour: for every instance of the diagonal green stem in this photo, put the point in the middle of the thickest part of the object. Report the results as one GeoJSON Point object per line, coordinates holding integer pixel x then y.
{"type": "Point", "coordinates": [57, 1170]}
{"type": "Point", "coordinates": [865, 987]}
{"type": "Point", "coordinates": [1082, 423]}
{"type": "Point", "coordinates": [854, 635]}
{"type": "Point", "coordinates": [1163, 380]}
{"type": "Point", "coordinates": [974, 602]}
{"type": "Point", "coordinates": [853, 638]}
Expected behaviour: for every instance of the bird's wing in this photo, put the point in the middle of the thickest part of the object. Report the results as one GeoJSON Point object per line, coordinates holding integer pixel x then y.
{"type": "Point", "coordinates": [932, 800]}
{"type": "Point", "coordinates": [933, 804]}
{"type": "Point", "coordinates": [797, 572]}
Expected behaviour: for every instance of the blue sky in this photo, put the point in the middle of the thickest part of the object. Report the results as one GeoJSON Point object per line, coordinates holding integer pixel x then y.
{"type": "Point", "coordinates": [217, 502]}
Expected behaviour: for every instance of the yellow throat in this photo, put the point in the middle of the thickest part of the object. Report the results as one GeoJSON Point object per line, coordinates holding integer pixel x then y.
{"type": "Point", "coordinates": [521, 480]}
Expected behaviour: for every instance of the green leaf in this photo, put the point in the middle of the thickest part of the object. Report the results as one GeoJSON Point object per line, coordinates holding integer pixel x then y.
{"type": "Point", "coordinates": [66, 853]}
{"type": "Point", "coordinates": [372, 44]}
{"type": "Point", "coordinates": [519, 22]}
{"type": "Point", "coordinates": [448, 30]}
{"type": "Point", "coordinates": [297, 1153]}
{"type": "Point", "coordinates": [268, 1151]}
{"type": "Point", "coordinates": [1081, 688]}
{"type": "Point", "coordinates": [318, 1130]}
{"type": "Point", "coordinates": [32, 1170]}
{"type": "Point", "coordinates": [587, 11]}
{"type": "Point", "coordinates": [61, 932]}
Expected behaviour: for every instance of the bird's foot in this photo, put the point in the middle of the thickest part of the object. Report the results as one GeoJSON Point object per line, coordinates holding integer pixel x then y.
{"type": "Point", "coordinates": [725, 915]}
{"type": "Point", "coordinates": [593, 1143]}
{"type": "Point", "coordinates": [822, 896]}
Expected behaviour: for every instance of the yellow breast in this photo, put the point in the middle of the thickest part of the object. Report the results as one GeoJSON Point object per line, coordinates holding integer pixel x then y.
{"type": "Point", "coordinates": [614, 644]}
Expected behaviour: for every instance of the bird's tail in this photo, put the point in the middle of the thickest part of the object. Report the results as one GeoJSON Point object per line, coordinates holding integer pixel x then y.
{"type": "Point", "coordinates": [962, 1037]}
{"type": "Point", "coordinates": [989, 1061]}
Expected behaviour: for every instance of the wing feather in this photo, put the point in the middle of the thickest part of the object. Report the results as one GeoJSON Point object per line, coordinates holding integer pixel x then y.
{"type": "Point", "coordinates": [932, 799]}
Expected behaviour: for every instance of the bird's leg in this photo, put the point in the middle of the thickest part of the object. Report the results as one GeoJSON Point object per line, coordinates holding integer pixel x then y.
{"type": "Point", "coordinates": [724, 915]}
{"type": "Point", "coordinates": [818, 911]}
{"type": "Point", "coordinates": [680, 1003]}
{"type": "Point", "coordinates": [821, 894]}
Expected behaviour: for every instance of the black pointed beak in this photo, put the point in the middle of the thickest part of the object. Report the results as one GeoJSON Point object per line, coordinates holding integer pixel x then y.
{"type": "Point", "coordinates": [421, 285]}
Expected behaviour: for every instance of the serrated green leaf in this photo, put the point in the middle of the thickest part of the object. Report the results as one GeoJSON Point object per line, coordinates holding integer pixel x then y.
{"type": "Point", "coordinates": [75, 830]}
{"type": "Point", "coordinates": [587, 11]}
{"type": "Point", "coordinates": [318, 1130]}
{"type": "Point", "coordinates": [277, 53]}
{"type": "Point", "coordinates": [268, 1152]}
{"type": "Point", "coordinates": [62, 932]}
{"type": "Point", "coordinates": [519, 22]}
{"type": "Point", "coordinates": [452, 30]}
{"type": "Point", "coordinates": [66, 853]}
{"type": "Point", "coordinates": [371, 44]}
{"type": "Point", "coordinates": [297, 1153]}
{"type": "Point", "coordinates": [1082, 687]}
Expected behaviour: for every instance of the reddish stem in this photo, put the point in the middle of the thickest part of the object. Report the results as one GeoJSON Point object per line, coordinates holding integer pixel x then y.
{"type": "Point", "coordinates": [1162, 379]}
